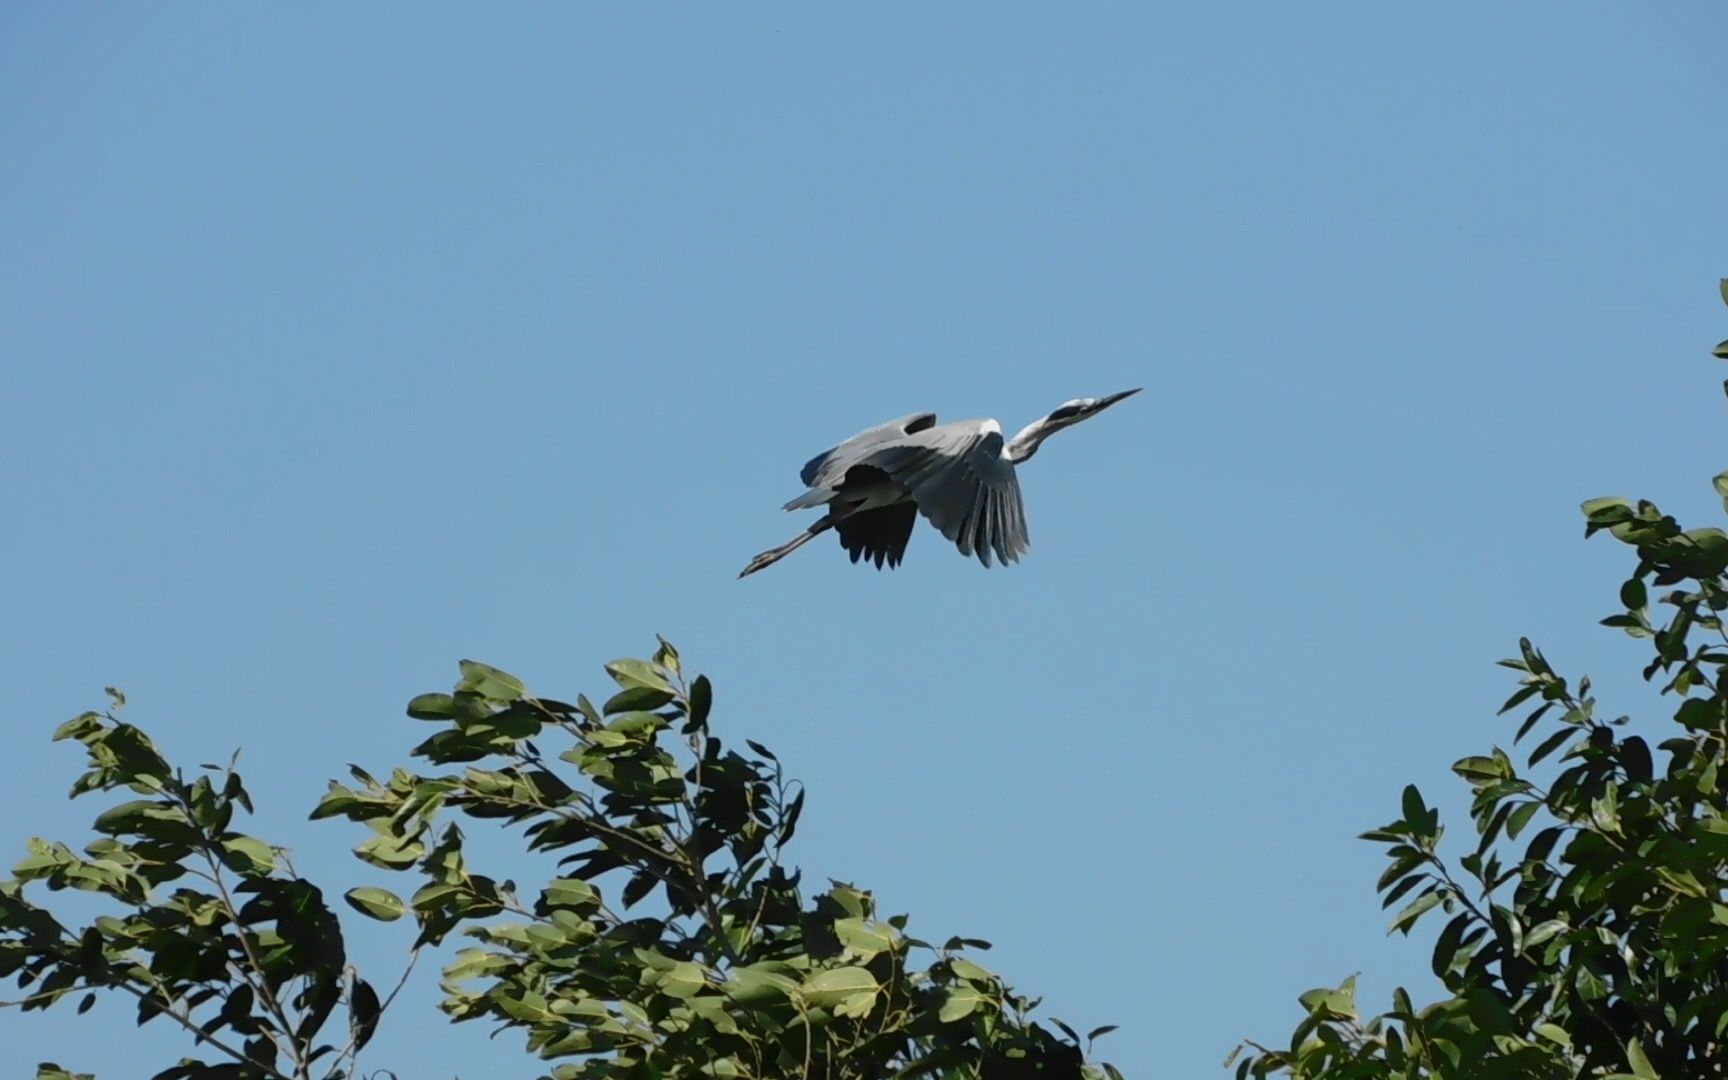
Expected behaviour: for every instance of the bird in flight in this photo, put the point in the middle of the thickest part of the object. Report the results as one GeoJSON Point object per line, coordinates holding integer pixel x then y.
{"type": "Point", "coordinates": [960, 475]}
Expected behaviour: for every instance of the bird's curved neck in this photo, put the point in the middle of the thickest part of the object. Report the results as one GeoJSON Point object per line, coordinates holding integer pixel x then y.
{"type": "Point", "coordinates": [1022, 446]}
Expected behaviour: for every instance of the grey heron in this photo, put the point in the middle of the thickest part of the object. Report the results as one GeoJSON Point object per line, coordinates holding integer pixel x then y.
{"type": "Point", "coordinates": [960, 475]}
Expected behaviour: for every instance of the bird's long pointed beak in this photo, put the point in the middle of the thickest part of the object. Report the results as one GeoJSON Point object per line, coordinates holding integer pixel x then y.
{"type": "Point", "coordinates": [1111, 399]}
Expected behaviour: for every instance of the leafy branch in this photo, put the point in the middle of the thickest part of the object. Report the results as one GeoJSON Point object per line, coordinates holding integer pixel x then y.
{"type": "Point", "coordinates": [670, 938]}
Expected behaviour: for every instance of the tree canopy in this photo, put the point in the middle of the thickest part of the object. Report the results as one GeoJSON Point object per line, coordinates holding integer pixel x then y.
{"type": "Point", "coordinates": [673, 939]}
{"type": "Point", "coordinates": [1586, 934]}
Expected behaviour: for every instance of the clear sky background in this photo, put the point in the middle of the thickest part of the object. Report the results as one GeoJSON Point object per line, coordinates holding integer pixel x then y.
{"type": "Point", "coordinates": [342, 342]}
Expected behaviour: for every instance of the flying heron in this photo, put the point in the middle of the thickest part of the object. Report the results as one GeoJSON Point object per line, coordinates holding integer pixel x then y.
{"type": "Point", "coordinates": [960, 475]}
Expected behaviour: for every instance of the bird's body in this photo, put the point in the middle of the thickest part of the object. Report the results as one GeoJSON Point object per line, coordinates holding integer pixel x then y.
{"type": "Point", "coordinates": [960, 475]}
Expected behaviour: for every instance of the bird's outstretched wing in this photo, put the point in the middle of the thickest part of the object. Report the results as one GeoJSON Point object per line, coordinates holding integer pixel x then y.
{"type": "Point", "coordinates": [961, 482]}
{"type": "Point", "coordinates": [829, 467]}
{"type": "Point", "coordinates": [878, 535]}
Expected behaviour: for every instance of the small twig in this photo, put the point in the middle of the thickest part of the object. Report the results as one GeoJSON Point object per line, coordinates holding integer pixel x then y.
{"type": "Point", "coordinates": [255, 977]}
{"type": "Point", "coordinates": [199, 1034]}
{"type": "Point", "coordinates": [49, 995]}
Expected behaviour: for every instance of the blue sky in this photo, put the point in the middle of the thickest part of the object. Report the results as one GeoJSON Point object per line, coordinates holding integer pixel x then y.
{"type": "Point", "coordinates": [344, 342]}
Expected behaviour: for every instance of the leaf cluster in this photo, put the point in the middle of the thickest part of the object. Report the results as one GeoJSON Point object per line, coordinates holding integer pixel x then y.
{"type": "Point", "coordinates": [675, 940]}
{"type": "Point", "coordinates": [212, 929]}
{"type": "Point", "coordinates": [1586, 933]}
{"type": "Point", "coordinates": [671, 939]}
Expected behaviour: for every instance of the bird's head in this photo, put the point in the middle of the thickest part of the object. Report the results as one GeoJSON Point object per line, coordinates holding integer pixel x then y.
{"type": "Point", "coordinates": [1072, 412]}
{"type": "Point", "coordinates": [1065, 415]}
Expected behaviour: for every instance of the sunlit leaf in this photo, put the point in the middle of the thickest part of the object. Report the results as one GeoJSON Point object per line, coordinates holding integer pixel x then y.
{"type": "Point", "coordinates": [632, 674]}
{"type": "Point", "coordinates": [959, 1002]}
{"type": "Point", "coordinates": [432, 707]}
{"type": "Point", "coordinates": [489, 682]}
{"type": "Point", "coordinates": [831, 985]}
{"type": "Point", "coordinates": [380, 904]}
{"type": "Point", "coordinates": [248, 856]}
{"type": "Point", "coordinates": [1406, 918]}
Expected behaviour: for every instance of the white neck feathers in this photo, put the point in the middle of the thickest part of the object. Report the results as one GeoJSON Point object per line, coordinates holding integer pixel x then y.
{"type": "Point", "coordinates": [1026, 443]}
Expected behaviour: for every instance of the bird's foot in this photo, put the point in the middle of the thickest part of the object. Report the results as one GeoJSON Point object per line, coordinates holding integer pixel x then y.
{"type": "Point", "coordinates": [760, 562]}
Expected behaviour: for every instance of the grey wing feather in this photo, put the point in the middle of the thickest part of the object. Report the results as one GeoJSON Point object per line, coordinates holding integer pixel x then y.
{"type": "Point", "coordinates": [962, 484]}
{"type": "Point", "coordinates": [829, 467]}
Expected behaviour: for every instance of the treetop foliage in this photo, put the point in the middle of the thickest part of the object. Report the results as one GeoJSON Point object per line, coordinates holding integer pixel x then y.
{"type": "Point", "coordinates": [1586, 934]}
{"type": "Point", "coordinates": [673, 940]}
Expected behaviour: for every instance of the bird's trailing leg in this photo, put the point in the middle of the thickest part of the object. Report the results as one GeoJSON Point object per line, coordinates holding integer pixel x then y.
{"type": "Point", "coordinates": [773, 555]}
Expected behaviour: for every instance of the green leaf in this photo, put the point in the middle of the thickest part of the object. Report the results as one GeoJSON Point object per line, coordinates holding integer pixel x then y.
{"type": "Point", "coordinates": [136, 816]}
{"type": "Point", "coordinates": [1554, 1033]}
{"type": "Point", "coordinates": [1605, 811]}
{"type": "Point", "coordinates": [1519, 697]}
{"type": "Point", "coordinates": [760, 749]}
{"type": "Point", "coordinates": [530, 1007]}
{"type": "Point", "coordinates": [79, 727]}
{"type": "Point", "coordinates": [570, 893]}
{"type": "Point", "coordinates": [631, 674]}
{"type": "Point", "coordinates": [1404, 861]}
{"type": "Point", "coordinates": [684, 980]}
{"type": "Point", "coordinates": [489, 682]}
{"type": "Point", "coordinates": [1550, 744]}
{"type": "Point", "coordinates": [432, 707]}
{"type": "Point", "coordinates": [1633, 593]}
{"type": "Point", "coordinates": [1446, 945]}
{"type": "Point", "coordinates": [380, 904]}
{"type": "Point", "coordinates": [1543, 931]}
{"type": "Point", "coordinates": [1702, 714]}
{"type": "Point", "coordinates": [867, 940]}
{"type": "Point", "coordinates": [1531, 721]}
{"type": "Point", "coordinates": [638, 724]}
{"type": "Point", "coordinates": [1640, 1064]}
{"type": "Point", "coordinates": [966, 969]}
{"type": "Point", "coordinates": [1414, 808]}
{"type": "Point", "coordinates": [1479, 768]}
{"type": "Point", "coordinates": [43, 856]}
{"type": "Point", "coordinates": [1337, 1001]}
{"type": "Point", "coordinates": [1521, 817]}
{"type": "Point", "coordinates": [666, 656]}
{"type": "Point", "coordinates": [390, 853]}
{"type": "Point", "coordinates": [1632, 625]}
{"type": "Point", "coordinates": [701, 700]}
{"type": "Point", "coordinates": [857, 1005]}
{"type": "Point", "coordinates": [1608, 510]}
{"type": "Point", "coordinates": [759, 982]}
{"type": "Point", "coordinates": [636, 699]}
{"type": "Point", "coordinates": [248, 856]}
{"type": "Point", "coordinates": [1490, 1013]}
{"type": "Point", "coordinates": [959, 1003]}
{"type": "Point", "coordinates": [1407, 918]}
{"type": "Point", "coordinates": [1720, 351]}
{"type": "Point", "coordinates": [364, 1009]}
{"type": "Point", "coordinates": [831, 985]}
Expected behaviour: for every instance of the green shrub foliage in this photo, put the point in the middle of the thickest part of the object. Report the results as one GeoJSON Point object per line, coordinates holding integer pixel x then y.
{"type": "Point", "coordinates": [674, 940]}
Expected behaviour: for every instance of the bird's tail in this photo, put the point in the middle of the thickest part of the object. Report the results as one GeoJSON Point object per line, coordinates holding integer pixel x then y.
{"type": "Point", "coordinates": [773, 555]}
{"type": "Point", "coordinates": [810, 499]}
